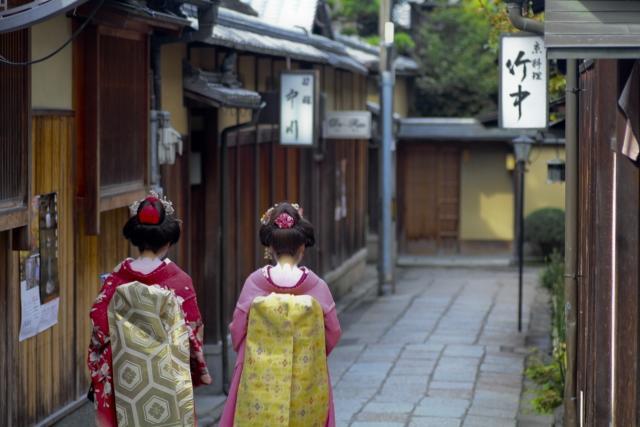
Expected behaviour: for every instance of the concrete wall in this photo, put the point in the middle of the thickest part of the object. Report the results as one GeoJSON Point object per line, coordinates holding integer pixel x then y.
{"type": "Point", "coordinates": [538, 192]}
{"type": "Point", "coordinates": [172, 99]}
{"type": "Point", "coordinates": [401, 94]}
{"type": "Point", "coordinates": [487, 194]}
{"type": "Point", "coordinates": [51, 80]}
{"type": "Point", "coordinates": [401, 97]}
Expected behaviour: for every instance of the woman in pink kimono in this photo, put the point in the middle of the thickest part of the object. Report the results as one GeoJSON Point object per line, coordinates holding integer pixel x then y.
{"type": "Point", "coordinates": [284, 327]}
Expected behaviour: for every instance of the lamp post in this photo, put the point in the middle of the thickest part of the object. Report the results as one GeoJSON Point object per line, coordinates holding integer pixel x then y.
{"type": "Point", "coordinates": [521, 149]}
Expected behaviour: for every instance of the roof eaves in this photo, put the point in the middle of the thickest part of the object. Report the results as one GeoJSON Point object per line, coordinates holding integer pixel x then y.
{"type": "Point", "coordinates": [243, 32]}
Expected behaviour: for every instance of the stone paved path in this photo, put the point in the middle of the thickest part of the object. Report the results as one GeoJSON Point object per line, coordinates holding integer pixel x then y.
{"type": "Point", "coordinates": [443, 351]}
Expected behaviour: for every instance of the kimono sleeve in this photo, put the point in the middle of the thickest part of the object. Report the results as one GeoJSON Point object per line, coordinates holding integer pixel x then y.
{"type": "Point", "coordinates": [238, 325]}
{"type": "Point", "coordinates": [195, 326]}
{"type": "Point", "coordinates": [332, 330]}
{"type": "Point", "coordinates": [99, 355]}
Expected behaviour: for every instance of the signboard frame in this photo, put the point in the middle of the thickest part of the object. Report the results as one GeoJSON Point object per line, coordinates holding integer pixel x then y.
{"type": "Point", "coordinates": [315, 131]}
{"type": "Point", "coordinates": [500, 84]}
{"type": "Point", "coordinates": [329, 115]}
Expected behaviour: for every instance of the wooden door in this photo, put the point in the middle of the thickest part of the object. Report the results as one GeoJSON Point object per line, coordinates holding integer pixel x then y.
{"type": "Point", "coordinates": [429, 196]}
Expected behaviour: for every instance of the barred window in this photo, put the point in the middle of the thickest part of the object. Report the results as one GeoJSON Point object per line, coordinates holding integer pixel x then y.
{"type": "Point", "coordinates": [14, 121]}
{"type": "Point", "coordinates": [123, 112]}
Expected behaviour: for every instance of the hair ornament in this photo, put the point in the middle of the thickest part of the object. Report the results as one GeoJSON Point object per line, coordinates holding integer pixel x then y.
{"type": "Point", "coordinates": [284, 221]}
{"type": "Point", "coordinates": [266, 217]}
{"type": "Point", "coordinates": [152, 198]}
{"type": "Point", "coordinates": [149, 215]}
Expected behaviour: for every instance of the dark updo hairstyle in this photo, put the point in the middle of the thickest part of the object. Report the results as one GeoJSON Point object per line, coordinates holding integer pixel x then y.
{"type": "Point", "coordinates": [152, 236]}
{"type": "Point", "coordinates": [286, 241]}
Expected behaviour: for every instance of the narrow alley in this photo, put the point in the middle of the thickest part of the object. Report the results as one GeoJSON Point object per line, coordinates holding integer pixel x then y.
{"type": "Point", "coordinates": [443, 351]}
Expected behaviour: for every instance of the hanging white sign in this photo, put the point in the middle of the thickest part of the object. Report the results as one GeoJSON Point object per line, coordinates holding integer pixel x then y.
{"type": "Point", "coordinates": [298, 107]}
{"type": "Point", "coordinates": [347, 125]}
{"type": "Point", "coordinates": [523, 82]}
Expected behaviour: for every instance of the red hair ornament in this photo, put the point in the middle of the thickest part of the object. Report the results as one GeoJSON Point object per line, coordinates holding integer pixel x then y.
{"type": "Point", "coordinates": [149, 214]}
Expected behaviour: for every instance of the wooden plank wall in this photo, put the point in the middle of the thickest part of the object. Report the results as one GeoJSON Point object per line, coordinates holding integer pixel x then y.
{"type": "Point", "coordinates": [38, 377]}
{"type": "Point", "coordinates": [609, 191]}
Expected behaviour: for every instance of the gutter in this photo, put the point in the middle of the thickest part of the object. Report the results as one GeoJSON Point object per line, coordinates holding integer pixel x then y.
{"type": "Point", "coordinates": [514, 9]}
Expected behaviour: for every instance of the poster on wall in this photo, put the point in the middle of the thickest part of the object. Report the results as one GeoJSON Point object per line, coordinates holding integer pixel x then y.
{"type": "Point", "coordinates": [39, 284]}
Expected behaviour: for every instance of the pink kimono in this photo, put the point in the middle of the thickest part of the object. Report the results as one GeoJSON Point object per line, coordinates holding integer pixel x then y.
{"type": "Point", "coordinates": [257, 284]}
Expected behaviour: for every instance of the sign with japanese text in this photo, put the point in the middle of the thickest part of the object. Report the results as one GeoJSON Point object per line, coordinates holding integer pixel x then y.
{"type": "Point", "coordinates": [523, 82]}
{"type": "Point", "coordinates": [347, 125]}
{"type": "Point", "coordinates": [298, 107]}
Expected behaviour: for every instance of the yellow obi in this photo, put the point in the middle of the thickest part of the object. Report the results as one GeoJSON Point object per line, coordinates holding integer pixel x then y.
{"type": "Point", "coordinates": [150, 349]}
{"type": "Point", "coordinates": [284, 380]}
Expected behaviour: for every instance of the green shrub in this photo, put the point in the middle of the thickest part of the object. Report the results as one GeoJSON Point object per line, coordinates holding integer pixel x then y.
{"type": "Point", "coordinates": [552, 278]}
{"type": "Point", "coordinates": [404, 44]}
{"type": "Point", "coordinates": [544, 228]}
{"type": "Point", "coordinates": [549, 378]}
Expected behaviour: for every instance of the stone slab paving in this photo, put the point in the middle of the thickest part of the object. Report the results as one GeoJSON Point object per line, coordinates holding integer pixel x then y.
{"type": "Point", "coordinates": [444, 350]}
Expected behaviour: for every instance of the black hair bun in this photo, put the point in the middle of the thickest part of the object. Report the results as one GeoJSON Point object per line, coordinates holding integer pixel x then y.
{"type": "Point", "coordinates": [288, 239]}
{"type": "Point", "coordinates": [152, 237]}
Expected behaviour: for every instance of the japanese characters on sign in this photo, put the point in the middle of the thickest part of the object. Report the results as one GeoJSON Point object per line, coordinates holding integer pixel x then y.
{"type": "Point", "coordinates": [298, 107]}
{"type": "Point", "coordinates": [523, 82]}
{"type": "Point", "coordinates": [347, 125]}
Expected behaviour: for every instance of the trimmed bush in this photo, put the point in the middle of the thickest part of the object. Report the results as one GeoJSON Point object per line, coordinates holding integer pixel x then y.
{"type": "Point", "coordinates": [544, 229]}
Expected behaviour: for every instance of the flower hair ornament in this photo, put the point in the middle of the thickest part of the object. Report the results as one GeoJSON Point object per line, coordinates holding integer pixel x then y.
{"type": "Point", "coordinates": [284, 221]}
{"type": "Point", "coordinates": [266, 217]}
{"type": "Point", "coordinates": [149, 214]}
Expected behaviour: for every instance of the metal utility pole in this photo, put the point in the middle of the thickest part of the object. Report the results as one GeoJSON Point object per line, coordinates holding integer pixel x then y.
{"type": "Point", "coordinates": [386, 172]}
{"type": "Point", "coordinates": [571, 243]}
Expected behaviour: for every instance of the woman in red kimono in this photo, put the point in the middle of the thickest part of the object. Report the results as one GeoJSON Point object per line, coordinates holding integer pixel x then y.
{"type": "Point", "coordinates": [152, 229]}
{"type": "Point", "coordinates": [281, 378]}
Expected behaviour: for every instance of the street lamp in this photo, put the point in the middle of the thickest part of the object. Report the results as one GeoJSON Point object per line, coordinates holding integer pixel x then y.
{"type": "Point", "coordinates": [521, 148]}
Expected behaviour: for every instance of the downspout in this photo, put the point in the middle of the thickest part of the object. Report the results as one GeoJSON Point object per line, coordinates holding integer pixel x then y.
{"type": "Point", "coordinates": [156, 105]}
{"type": "Point", "coordinates": [224, 234]}
{"type": "Point", "coordinates": [514, 10]}
{"type": "Point", "coordinates": [571, 241]}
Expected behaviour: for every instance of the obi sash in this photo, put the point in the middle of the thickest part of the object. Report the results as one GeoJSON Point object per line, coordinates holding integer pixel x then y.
{"type": "Point", "coordinates": [284, 379]}
{"type": "Point", "coordinates": [150, 347]}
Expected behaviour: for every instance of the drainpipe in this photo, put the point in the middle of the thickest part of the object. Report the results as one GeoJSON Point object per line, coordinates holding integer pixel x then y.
{"type": "Point", "coordinates": [571, 240]}
{"type": "Point", "coordinates": [514, 9]}
{"type": "Point", "coordinates": [224, 235]}
{"type": "Point", "coordinates": [156, 105]}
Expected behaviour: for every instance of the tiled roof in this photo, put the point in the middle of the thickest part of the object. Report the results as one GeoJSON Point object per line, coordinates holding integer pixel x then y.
{"type": "Point", "coordinates": [286, 13]}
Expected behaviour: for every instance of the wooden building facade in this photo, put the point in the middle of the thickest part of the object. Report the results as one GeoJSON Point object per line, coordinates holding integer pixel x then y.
{"type": "Point", "coordinates": [79, 126]}
{"type": "Point", "coordinates": [604, 384]}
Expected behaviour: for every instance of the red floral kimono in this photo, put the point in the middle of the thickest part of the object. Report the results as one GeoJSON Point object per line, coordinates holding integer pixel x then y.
{"type": "Point", "coordinates": [168, 275]}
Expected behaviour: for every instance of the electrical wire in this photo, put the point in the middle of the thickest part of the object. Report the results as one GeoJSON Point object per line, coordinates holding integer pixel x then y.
{"type": "Point", "coordinates": [76, 33]}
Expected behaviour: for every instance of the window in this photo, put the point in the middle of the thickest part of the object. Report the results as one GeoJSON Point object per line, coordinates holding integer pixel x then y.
{"type": "Point", "coordinates": [14, 122]}
{"type": "Point", "coordinates": [123, 112]}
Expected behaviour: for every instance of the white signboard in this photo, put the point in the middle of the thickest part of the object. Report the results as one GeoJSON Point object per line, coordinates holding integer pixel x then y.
{"type": "Point", "coordinates": [347, 125]}
{"type": "Point", "coordinates": [298, 107]}
{"type": "Point", "coordinates": [523, 82]}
